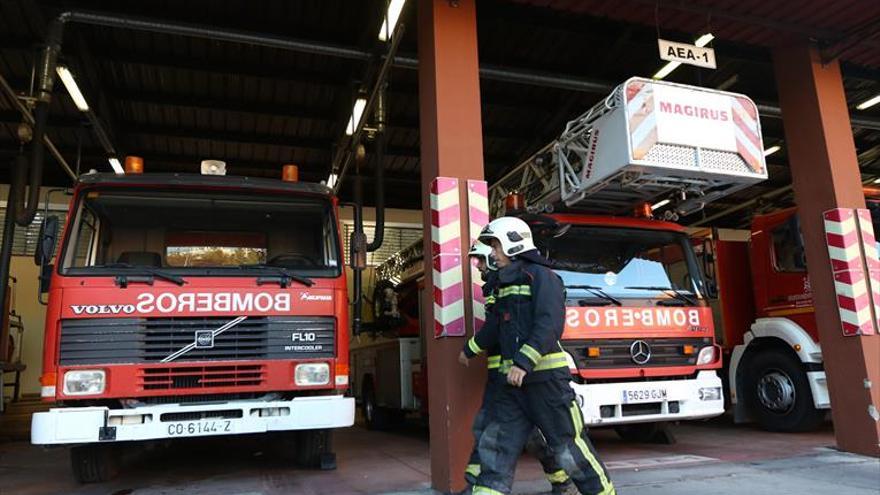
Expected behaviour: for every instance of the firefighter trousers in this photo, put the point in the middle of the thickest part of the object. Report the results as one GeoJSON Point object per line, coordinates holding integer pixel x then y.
{"type": "Point", "coordinates": [536, 445]}
{"type": "Point", "coordinates": [551, 406]}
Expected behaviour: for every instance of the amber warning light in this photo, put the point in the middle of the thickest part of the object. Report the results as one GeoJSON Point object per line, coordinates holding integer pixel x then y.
{"type": "Point", "coordinates": [290, 173]}
{"type": "Point", "coordinates": [134, 165]}
{"type": "Point", "coordinates": [514, 201]}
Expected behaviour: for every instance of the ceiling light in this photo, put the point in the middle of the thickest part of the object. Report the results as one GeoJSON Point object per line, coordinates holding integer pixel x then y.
{"type": "Point", "coordinates": [868, 103]}
{"type": "Point", "coordinates": [704, 40]}
{"type": "Point", "coordinates": [393, 14]}
{"type": "Point", "coordinates": [666, 70]}
{"type": "Point", "coordinates": [877, 180]}
{"type": "Point", "coordinates": [117, 167]}
{"type": "Point", "coordinates": [773, 149]}
{"type": "Point", "coordinates": [659, 204]}
{"type": "Point", "coordinates": [356, 113]}
{"type": "Point", "coordinates": [671, 66]}
{"type": "Point", "coordinates": [331, 181]}
{"type": "Point", "coordinates": [70, 83]}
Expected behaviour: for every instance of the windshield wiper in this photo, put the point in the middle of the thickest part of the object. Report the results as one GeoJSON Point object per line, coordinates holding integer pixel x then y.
{"type": "Point", "coordinates": [681, 296]}
{"type": "Point", "coordinates": [283, 276]}
{"type": "Point", "coordinates": [122, 279]}
{"type": "Point", "coordinates": [598, 292]}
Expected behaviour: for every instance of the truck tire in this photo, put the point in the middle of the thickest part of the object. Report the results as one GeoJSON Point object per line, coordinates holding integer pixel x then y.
{"type": "Point", "coordinates": [314, 449]}
{"type": "Point", "coordinates": [94, 463]}
{"type": "Point", "coordinates": [646, 433]}
{"type": "Point", "coordinates": [376, 418]}
{"type": "Point", "coordinates": [777, 393]}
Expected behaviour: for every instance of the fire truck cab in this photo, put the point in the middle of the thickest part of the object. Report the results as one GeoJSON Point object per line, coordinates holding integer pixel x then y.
{"type": "Point", "coordinates": [192, 305]}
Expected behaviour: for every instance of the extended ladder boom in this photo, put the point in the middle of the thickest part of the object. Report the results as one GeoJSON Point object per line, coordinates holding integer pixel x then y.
{"type": "Point", "coordinates": [647, 141]}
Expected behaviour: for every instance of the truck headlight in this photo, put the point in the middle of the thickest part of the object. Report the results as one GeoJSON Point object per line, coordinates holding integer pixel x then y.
{"type": "Point", "coordinates": [710, 393]}
{"type": "Point", "coordinates": [84, 382]}
{"type": "Point", "coordinates": [706, 355]}
{"type": "Point", "coordinates": [312, 374]}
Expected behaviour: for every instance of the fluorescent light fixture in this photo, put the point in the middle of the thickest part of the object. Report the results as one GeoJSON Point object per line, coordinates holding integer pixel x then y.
{"type": "Point", "coordinates": [877, 180]}
{"type": "Point", "coordinates": [391, 18]}
{"type": "Point", "coordinates": [671, 66]}
{"type": "Point", "coordinates": [331, 181]}
{"type": "Point", "coordinates": [356, 113]}
{"type": "Point", "coordinates": [659, 204]}
{"type": "Point", "coordinates": [704, 39]}
{"type": "Point", "coordinates": [117, 167]}
{"type": "Point", "coordinates": [666, 70]}
{"type": "Point", "coordinates": [773, 149]}
{"type": "Point", "coordinates": [868, 103]}
{"type": "Point", "coordinates": [70, 83]}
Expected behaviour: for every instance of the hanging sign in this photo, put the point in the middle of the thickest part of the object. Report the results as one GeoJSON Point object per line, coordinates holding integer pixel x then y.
{"type": "Point", "coordinates": [687, 54]}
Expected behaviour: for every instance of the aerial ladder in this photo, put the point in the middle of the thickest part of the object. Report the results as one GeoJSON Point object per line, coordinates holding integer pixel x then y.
{"type": "Point", "coordinates": [648, 141]}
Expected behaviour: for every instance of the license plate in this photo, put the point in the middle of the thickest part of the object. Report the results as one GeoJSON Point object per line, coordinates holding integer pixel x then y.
{"type": "Point", "coordinates": [644, 395]}
{"type": "Point", "coordinates": [195, 428]}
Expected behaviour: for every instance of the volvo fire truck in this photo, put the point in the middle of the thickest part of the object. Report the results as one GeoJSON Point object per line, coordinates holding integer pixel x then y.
{"type": "Point", "coordinates": [191, 305]}
{"type": "Point", "coordinates": [602, 200]}
{"type": "Point", "coordinates": [776, 373]}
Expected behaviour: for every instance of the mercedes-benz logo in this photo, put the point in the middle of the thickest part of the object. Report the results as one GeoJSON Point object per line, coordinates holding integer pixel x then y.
{"type": "Point", "coordinates": [640, 352]}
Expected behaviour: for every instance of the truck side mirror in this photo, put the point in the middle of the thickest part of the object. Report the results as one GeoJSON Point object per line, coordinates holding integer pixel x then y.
{"type": "Point", "coordinates": [358, 250]}
{"type": "Point", "coordinates": [709, 258]}
{"type": "Point", "coordinates": [45, 277]}
{"type": "Point", "coordinates": [47, 239]}
{"type": "Point", "coordinates": [711, 288]}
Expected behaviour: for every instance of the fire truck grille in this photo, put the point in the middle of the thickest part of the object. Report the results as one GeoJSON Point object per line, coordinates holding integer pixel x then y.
{"type": "Point", "coordinates": [190, 377]}
{"type": "Point", "coordinates": [618, 353]}
{"type": "Point", "coordinates": [152, 340]}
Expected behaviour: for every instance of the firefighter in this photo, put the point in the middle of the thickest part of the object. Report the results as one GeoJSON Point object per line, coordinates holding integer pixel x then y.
{"type": "Point", "coordinates": [530, 312]}
{"type": "Point", "coordinates": [487, 340]}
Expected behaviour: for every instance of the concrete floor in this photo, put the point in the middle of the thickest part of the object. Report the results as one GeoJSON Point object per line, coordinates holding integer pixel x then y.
{"type": "Point", "coordinates": [709, 457]}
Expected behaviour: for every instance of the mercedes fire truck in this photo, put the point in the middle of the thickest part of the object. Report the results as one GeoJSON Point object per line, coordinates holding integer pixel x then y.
{"type": "Point", "coordinates": [639, 331]}
{"type": "Point", "coordinates": [186, 305]}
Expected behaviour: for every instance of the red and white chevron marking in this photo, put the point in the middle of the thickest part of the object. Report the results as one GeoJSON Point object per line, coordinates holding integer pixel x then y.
{"type": "Point", "coordinates": [748, 133]}
{"type": "Point", "coordinates": [446, 255]}
{"type": "Point", "coordinates": [642, 118]}
{"type": "Point", "coordinates": [478, 217]}
{"type": "Point", "coordinates": [845, 236]}
{"type": "Point", "coordinates": [871, 257]}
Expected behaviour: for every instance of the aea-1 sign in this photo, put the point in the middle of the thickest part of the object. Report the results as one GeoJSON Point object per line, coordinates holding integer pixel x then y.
{"type": "Point", "coordinates": [687, 54]}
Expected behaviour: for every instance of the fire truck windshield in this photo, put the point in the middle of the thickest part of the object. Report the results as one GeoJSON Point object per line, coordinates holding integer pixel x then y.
{"type": "Point", "coordinates": [623, 262]}
{"type": "Point", "coordinates": [195, 233]}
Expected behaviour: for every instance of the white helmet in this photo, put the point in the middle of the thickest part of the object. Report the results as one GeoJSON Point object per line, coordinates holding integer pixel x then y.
{"type": "Point", "coordinates": [514, 235]}
{"type": "Point", "coordinates": [481, 250]}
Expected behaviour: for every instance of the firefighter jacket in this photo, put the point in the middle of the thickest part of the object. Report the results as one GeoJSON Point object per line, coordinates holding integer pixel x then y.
{"type": "Point", "coordinates": [530, 313]}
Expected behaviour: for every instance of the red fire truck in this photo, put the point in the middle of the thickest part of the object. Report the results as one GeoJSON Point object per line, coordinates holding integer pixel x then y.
{"type": "Point", "coordinates": [639, 330]}
{"type": "Point", "coordinates": [776, 372]}
{"type": "Point", "coordinates": [193, 305]}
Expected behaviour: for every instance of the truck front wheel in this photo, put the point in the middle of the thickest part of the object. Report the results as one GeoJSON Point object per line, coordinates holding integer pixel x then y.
{"type": "Point", "coordinates": [777, 393]}
{"type": "Point", "coordinates": [94, 463]}
{"type": "Point", "coordinates": [314, 449]}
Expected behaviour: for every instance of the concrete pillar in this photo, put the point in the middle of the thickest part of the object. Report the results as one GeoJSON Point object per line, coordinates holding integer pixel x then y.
{"type": "Point", "coordinates": [825, 175]}
{"type": "Point", "coordinates": [451, 146]}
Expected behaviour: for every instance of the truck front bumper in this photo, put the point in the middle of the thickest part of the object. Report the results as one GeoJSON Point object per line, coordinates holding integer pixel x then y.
{"type": "Point", "coordinates": [606, 404]}
{"type": "Point", "coordinates": [77, 425]}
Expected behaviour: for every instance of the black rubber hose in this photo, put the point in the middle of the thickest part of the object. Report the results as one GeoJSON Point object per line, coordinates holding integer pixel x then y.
{"type": "Point", "coordinates": [25, 216]}
{"type": "Point", "coordinates": [379, 231]}
{"type": "Point", "coordinates": [19, 166]}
